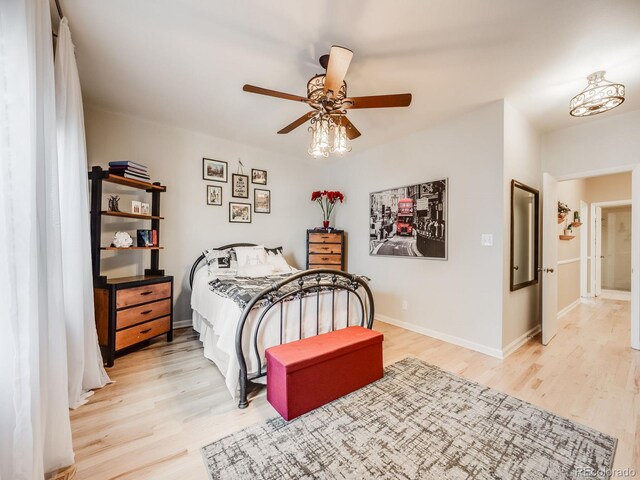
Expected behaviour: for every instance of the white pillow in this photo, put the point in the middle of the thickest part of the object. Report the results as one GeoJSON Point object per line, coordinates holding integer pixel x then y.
{"type": "Point", "coordinates": [251, 255]}
{"type": "Point", "coordinates": [279, 263]}
{"type": "Point", "coordinates": [262, 270]}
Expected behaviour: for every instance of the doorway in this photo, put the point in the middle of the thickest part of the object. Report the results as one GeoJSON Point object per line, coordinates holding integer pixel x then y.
{"type": "Point", "coordinates": [573, 248]}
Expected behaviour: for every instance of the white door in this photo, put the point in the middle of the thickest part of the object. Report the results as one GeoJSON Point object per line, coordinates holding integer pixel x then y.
{"type": "Point", "coordinates": [635, 259]}
{"type": "Point", "coordinates": [598, 257]}
{"type": "Point", "coordinates": [549, 275]}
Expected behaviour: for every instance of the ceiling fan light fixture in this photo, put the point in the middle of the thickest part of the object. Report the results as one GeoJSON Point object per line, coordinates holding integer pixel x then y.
{"type": "Point", "coordinates": [599, 96]}
{"type": "Point", "coordinates": [320, 136]}
{"type": "Point", "coordinates": [340, 140]}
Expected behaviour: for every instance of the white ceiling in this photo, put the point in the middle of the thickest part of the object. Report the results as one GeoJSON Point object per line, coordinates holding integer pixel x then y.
{"type": "Point", "coordinates": [184, 62]}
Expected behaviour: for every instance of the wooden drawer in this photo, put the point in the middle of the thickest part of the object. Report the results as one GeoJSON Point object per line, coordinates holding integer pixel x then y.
{"type": "Point", "coordinates": [325, 248]}
{"type": "Point", "coordinates": [325, 259]}
{"type": "Point", "coordinates": [146, 293]}
{"type": "Point", "coordinates": [131, 336]}
{"type": "Point", "coordinates": [325, 238]}
{"type": "Point", "coordinates": [142, 313]}
{"type": "Point", "coordinates": [330, 267]}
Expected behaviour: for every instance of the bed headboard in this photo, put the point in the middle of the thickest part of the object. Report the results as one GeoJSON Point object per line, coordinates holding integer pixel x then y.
{"type": "Point", "coordinates": [200, 259]}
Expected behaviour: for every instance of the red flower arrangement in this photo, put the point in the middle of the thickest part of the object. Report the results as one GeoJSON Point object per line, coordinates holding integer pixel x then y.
{"type": "Point", "coordinates": [327, 201]}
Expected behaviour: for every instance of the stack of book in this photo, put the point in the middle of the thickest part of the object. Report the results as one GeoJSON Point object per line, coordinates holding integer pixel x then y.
{"type": "Point", "coordinates": [128, 169]}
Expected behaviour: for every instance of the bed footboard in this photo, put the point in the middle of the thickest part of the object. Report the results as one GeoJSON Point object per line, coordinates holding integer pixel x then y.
{"type": "Point", "coordinates": [306, 286]}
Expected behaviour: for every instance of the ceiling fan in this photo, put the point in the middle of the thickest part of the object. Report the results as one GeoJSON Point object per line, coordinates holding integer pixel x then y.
{"type": "Point", "coordinates": [327, 96]}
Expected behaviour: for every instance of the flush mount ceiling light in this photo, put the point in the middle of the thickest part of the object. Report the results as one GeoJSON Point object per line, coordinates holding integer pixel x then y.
{"type": "Point", "coordinates": [599, 96]}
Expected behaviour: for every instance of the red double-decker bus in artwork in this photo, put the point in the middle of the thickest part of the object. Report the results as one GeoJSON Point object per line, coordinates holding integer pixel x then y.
{"type": "Point", "coordinates": [404, 222]}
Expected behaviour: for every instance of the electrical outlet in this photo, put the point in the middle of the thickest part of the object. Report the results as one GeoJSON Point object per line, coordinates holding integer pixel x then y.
{"type": "Point", "coordinates": [405, 305]}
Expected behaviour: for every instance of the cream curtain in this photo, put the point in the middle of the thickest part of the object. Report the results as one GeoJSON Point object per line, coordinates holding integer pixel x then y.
{"type": "Point", "coordinates": [83, 354]}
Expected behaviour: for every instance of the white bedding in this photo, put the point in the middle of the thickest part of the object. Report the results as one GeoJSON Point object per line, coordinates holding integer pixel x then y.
{"type": "Point", "coordinates": [216, 319]}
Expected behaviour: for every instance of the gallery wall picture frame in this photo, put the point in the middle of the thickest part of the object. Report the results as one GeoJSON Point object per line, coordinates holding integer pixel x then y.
{"type": "Point", "coordinates": [239, 212]}
{"type": "Point", "coordinates": [410, 221]}
{"type": "Point", "coordinates": [215, 170]}
{"type": "Point", "coordinates": [239, 185]}
{"type": "Point", "coordinates": [214, 195]}
{"type": "Point", "coordinates": [258, 177]}
{"type": "Point", "coordinates": [261, 200]}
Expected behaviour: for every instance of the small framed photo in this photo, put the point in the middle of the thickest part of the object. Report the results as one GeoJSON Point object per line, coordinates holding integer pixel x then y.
{"type": "Point", "coordinates": [239, 212]}
{"type": "Point", "coordinates": [240, 184]}
{"type": "Point", "coordinates": [259, 177]}
{"type": "Point", "coordinates": [214, 195]}
{"type": "Point", "coordinates": [144, 209]}
{"type": "Point", "coordinates": [215, 170]}
{"type": "Point", "coordinates": [261, 200]}
{"type": "Point", "coordinates": [136, 207]}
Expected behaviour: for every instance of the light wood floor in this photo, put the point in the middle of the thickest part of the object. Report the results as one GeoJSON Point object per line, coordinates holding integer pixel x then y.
{"type": "Point", "coordinates": [168, 401]}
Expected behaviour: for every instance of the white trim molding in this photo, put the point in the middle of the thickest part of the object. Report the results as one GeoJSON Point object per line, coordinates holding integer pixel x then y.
{"type": "Point", "coordinates": [570, 260]}
{"type": "Point", "coordinates": [187, 322]}
{"type": "Point", "coordinates": [521, 340]}
{"type": "Point", "coordinates": [445, 337]}
{"type": "Point", "coordinates": [569, 307]}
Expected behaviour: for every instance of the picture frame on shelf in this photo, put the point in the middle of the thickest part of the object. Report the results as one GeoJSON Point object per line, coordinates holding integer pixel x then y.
{"type": "Point", "coordinates": [215, 170]}
{"type": "Point", "coordinates": [239, 212]}
{"type": "Point", "coordinates": [258, 177]}
{"type": "Point", "coordinates": [214, 195]}
{"type": "Point", "coordinates": [261, 200]}
{"type": "Point", "coordinates": [136, 207]}
{"type": "Point", "coordinates": [240, 185]}
{"type": "Point", "coordinates": [144, 209]}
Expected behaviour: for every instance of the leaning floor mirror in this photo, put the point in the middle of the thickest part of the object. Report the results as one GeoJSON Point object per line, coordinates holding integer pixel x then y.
{"type": "Point", "coordinates": [524, 235]}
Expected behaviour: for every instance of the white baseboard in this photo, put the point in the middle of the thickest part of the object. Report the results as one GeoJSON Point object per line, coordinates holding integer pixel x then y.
{"type": "Point", "coordinates": [187, 322]}
{"type": "Point", "coordinates": [461, 342]}
{"type": "Point", "coordinates": [521, 340]}
{"type": "Point", "coordinates": [569, 307]}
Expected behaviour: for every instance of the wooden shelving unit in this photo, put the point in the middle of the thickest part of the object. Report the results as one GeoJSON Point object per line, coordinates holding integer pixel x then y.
{"type": "Point", "coordinates": [129, 310]}
{"type": "Point", "coordinates": [130, 215]}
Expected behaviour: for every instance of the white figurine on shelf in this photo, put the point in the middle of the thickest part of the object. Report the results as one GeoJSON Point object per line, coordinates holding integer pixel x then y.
{"type": "Point", "coordinates": [122, 240]}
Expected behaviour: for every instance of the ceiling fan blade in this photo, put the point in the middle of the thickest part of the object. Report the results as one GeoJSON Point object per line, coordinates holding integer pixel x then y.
{"type": "Point", "coordinates": [339, 60]}
{"type": "Point", "coordinates": [351, 130]}
{"type": "Point", "coordinates": [379, 101]}
{"type": "Point", "coordinates": [293, 125]}
{"type": "Point", "coordinates": [273, 93]}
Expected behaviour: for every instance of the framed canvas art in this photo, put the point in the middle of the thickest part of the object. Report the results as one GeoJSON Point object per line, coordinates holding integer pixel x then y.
{"type": "Point", "coordinates": [409, 221]}
{"type": "Point", "coordinates": [240, 185]}
{"type": "Point", "coordinates": [214, 195]}
{"type": "Point", "coordinates": [259, 177]}
{"type": "Point", "coordinates": [239, 212]}
{"type": "Point", "coordinates": [261, 200]}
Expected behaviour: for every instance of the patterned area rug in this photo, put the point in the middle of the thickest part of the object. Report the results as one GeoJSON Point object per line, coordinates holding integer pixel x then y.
{"type": "Point", "coordinates": [417, 422]}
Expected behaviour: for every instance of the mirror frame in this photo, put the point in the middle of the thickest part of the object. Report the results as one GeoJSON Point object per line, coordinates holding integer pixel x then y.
{"type": "Point", "coordinates": [515, 184]}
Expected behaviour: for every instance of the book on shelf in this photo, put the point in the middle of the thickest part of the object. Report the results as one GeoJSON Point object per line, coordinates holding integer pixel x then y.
{"type": "Point", "coordinates": [128, 169]}
{"type": "Point", "coordinates": [134, 176]}
{"type": "Point", "coordinates": [127, 163]}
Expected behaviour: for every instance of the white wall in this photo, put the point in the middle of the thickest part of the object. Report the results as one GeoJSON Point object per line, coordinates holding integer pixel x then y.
{"type": "Point", "coordinates": [521, 309]}
{"type": "Point", "coordinates": [611, 142]}
{"type": "Point", "coordinates": [459, 299]}
{"type": "Point", "coordinates": [174, 157]}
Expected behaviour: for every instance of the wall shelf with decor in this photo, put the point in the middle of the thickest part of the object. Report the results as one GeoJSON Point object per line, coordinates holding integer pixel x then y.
{"type": "Point", "coordinates": [567, 237]}
{"type": "Point", "coordinates": [576, 224]}
{"type": "Point", "coordinates": [129, 310]}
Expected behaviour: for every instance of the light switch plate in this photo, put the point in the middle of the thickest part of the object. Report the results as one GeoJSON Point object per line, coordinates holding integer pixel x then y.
{"type": "Point", "coordinates": [486, 240]}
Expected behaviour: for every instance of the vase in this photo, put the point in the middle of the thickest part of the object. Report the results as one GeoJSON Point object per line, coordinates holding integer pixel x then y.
{"type": "Point", "coordinates": [325, 224]}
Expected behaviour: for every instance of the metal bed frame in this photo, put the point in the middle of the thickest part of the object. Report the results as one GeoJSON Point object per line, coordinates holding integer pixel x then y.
{"type": "Point", "coordinates": [305, 285]}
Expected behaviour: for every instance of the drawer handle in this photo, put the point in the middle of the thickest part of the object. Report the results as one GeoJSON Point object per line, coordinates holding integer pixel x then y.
{"type": "Point", "coordinates": [145, 331]}
{"type": "Point", "coordinates": [325, 259]}
{"type": "Point", "coordinates": [147, 293]}
{"type": "Point", "coordinates": [146, 312]}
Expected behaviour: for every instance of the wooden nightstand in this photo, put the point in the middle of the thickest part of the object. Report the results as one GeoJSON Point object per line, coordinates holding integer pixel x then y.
{"type": "Point", "coordinates": [325, 249]}
{"type": "Point", "coordinates": [131, 310]}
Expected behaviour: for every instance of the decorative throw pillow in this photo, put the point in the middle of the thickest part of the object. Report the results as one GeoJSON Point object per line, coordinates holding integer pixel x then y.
{"type": "Point", "coordinates": [251, 255]}
{"type": "Point", "coordinates": [279, 263]}
{"type": "Point", "coordinates": [273, 250]}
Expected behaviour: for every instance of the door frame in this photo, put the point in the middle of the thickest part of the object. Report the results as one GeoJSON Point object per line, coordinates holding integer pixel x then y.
{"type": "Point", "coordinates": [584, 257]}
{"type": "Point", "coordinates": [635, 235]}
{"type": "Point", "coordinates": [595, 226]}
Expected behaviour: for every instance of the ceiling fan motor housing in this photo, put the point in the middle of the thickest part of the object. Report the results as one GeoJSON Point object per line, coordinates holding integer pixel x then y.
{"type": "Point", "coordinates": [315, 91]}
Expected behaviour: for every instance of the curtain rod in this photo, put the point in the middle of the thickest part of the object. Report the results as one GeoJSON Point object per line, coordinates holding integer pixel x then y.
{"type": "Point", "coordinates": [60, 14]}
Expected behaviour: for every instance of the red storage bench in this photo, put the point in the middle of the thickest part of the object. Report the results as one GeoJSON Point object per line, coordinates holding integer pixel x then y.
{"type": "Point", "coordinates": [308, 373]}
